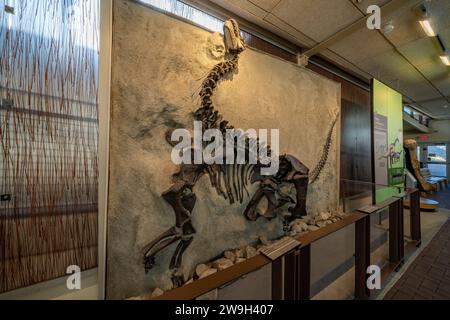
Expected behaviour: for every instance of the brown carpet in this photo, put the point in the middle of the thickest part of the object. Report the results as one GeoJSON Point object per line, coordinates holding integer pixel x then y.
{"type": "Point", "coordinates": [428, 277]}
{"type": "Point", "coordinates": [443, 197]}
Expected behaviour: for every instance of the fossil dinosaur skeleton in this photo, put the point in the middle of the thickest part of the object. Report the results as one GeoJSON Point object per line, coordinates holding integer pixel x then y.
{"type": "Point", "coordinates": [230, 180]}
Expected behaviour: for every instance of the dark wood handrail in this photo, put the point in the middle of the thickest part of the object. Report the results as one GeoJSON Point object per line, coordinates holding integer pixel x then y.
{"type": "Point", "coordinates": [220, 278]}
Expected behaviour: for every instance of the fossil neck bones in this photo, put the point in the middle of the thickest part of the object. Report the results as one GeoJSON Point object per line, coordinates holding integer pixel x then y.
{"type": "Point", "coordinates": [231, 181]}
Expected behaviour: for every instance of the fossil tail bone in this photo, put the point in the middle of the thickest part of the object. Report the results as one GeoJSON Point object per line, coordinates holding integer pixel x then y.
{"type": "Point", "coordinates": [314, 175]}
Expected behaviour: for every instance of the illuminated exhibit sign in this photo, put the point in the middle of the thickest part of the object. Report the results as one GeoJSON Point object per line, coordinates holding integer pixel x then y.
{"type": "Point", "coordinates": [388, 155]}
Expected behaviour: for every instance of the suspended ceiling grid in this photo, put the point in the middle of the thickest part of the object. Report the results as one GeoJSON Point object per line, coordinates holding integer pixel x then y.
{"type": "Point", "coordinates": [405, 58]}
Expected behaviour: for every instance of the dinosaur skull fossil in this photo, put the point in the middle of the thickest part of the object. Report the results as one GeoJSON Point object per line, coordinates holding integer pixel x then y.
{"type": "Point", "coordinates": [232, 34]}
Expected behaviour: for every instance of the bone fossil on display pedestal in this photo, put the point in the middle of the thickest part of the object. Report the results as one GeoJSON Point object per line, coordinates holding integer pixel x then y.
{"type": "Point", "coordinates": [413, 164]}
{"type": "Point", "coordinates": [231, 180]}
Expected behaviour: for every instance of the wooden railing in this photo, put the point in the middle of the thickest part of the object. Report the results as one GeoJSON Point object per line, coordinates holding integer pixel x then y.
{"type": "Point", "coordinates": [296, 283]}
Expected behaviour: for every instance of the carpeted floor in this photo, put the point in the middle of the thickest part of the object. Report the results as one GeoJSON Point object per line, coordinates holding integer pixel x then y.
{"type": "Point", "coordinates": [428, 277]}
{"type": "Point", "coordinates": [443, 197]}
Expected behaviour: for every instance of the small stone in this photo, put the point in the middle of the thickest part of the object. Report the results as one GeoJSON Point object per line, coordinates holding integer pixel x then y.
{"type": "Point", "coordinates": [263, 240]}
{"type": "Point", "coordinates": [189, 281]}
{"type": "Point", "coordinates": [324, 216]}
{"type": "Point", "coordinates": [294, 223]}
{"type": "Point", "coordinates": [239, 260]}
{"type": "Point", "coordinates": [222, 264]}
{"type": "Point", "coordinates": [313, 228]}
{"type": "Point", "coordinates": [157, 292]}
{"type": "Point", "coordinates": [239, 253]}
{"type": "Point", "coordinates": [328, 222]}
{"type": "Point", "coordinates": [339, 215]}
{"type": "Point", "coordinates": [230, 255]}
{"type": "Point", "coordinates": [250, 252]}
{"type": "Point", "coordinates": [208, 272]}
{"type": "Point", "coordinates": [292, 233]}
{"type": "Point", "coordinates": [200, 269]}
{"type": "Point", "coordinates": [321, 224]}
{"type": "Point", "coordinates": [296, 228]}
{"type": "Point", "coordinates": [302, 225]}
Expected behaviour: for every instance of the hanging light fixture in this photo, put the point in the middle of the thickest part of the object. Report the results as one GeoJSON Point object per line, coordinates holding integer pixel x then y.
{"type": "Point", "coordinates": [425, 22]}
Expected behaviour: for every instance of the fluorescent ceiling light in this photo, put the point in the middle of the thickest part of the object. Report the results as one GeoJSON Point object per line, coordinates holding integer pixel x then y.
{"type": "Point", "coordinates": [445, 60]}
{"type": "Point", "coordinates": [427, 28]}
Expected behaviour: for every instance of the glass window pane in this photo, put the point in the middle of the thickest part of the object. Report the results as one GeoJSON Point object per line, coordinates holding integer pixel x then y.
{"type": "Point", "coordinates": [437, 153]}
{"type": "Point", "coordinates": [438, 170]}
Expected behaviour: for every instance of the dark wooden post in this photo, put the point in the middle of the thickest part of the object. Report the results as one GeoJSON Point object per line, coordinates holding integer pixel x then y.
{"type": "Point", "coordinates": [277, 279]}
{"type": "Point", "coordinates": [304, 273]}
{"type": "Point", "coordinates": [290, 279]}
{"type": "Point", "coordinates": [394, 254]}
{"type": "Point", "coordinates": [401, 230]}
{"type": "Point", "coordinates": [396, 232]}
{"type": "Point", "coordinates": [362, 257]}
{"type": "Point", "coordinates": [414, 207]}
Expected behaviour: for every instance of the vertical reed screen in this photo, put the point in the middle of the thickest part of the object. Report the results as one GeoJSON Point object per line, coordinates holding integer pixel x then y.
{"type": "Point", "coordinates": [48, 136]}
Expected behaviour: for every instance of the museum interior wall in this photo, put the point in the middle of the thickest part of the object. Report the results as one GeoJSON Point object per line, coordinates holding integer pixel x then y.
{"type": "Point", "coordinates": [48, 134]}
{"type": "Point", "coordinates": [356, 138]}
{"type": "Point", "coordinates": [51, 218]}
{"type": "Point", "coordinates": [157, 62]}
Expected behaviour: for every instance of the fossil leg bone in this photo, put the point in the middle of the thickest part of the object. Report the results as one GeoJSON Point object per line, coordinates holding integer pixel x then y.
{"type": "Point", "coordinates": [164, 240]}
{"type": "Point", "coordinates": [301, 187]}
{"type": "Point", "coordinates": [176, 261]}
{"type": "Point", "coordinates": [182, 200]}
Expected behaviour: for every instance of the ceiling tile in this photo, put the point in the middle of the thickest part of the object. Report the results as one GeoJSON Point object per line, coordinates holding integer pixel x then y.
{"type": "Point", "coordinates": [406, 26]}
{"type": "Point", "coordinates": [445, 36]}
{"type": "Point", "coordinates": [440, 14]}
{"type": "Point", "coordinates": [437, 72]}
{"type": "Point", "coordinates": [304, 40]}
{"type": "Point", "coordinates": [318, 19]}
{"type": "Point", "coordinates": [241, 7]}
{"type": "Point", "coordinates": [361, 45]}
{"type": "Point", "coordinates": [364, 4]}
{"type": "Point", "coordinates": [267, 5]}
{"type": "Point", "coordinates": [422, 51]}
{"type": "Point", "coordinates": [391, 68]}
{"type": "Point", "coordinates": [345, 64]}
{"type": "Point", "coordinates": [443, 84]}
{"type": "Point", "coordinates": [437, 107]}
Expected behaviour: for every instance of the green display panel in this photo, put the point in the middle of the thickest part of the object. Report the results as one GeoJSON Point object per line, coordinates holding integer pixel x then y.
{"type": "Point", "coordinates": [388, 139]}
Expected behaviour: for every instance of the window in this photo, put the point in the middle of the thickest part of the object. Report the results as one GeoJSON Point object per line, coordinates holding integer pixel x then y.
{"type": "Point", "coordinates": [407, 110]}
{"type": "Point", "coordinates": [437, 153]}
{"type": "Point", "coordinates": [438, 170]}
{"type": "Point", "coordinates": [214, 24]}
{"type": "Point", "coordinates": [49, 136]}
{"type": "Point", "coordinates": [183, 10]}
{"type": "Point", "coordinates": [437, 160]}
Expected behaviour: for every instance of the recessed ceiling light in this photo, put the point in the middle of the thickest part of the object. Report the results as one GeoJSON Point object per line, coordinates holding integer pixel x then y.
{"type": "Point", "coordinates": [445, 60]}
{"type": "Point", "coordinates": [426, 26]}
